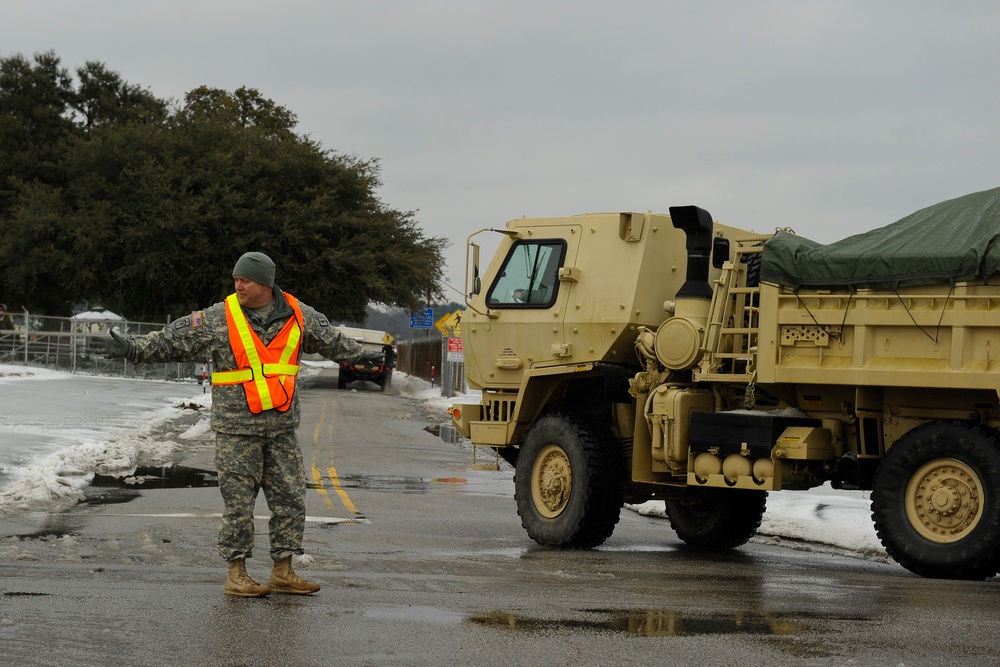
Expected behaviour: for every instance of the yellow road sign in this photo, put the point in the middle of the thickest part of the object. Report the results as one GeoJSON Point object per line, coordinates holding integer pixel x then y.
{"type": "Point", "coordinates": [450, 322]}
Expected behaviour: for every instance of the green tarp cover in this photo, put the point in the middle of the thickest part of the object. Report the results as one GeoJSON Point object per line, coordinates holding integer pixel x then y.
{"type": "Point", "coordinates": [952, 241]}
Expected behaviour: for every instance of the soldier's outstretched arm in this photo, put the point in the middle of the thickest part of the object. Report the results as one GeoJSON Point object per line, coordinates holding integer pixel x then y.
{"type": "Point", "coordinates": [325, 339]}
{"type": "Point", "coordinates": [189, 338]}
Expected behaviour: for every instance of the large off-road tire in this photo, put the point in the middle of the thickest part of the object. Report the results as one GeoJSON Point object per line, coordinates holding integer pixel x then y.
{"type": "Point", "coordinates": [567, 482]}
{"type": "Point", "coordinates": [936, 503]}
{"type": "Point", "coordinates": [717, 518]}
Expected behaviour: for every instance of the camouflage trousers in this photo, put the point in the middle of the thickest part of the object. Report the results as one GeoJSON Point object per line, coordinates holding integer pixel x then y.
{"type": "Point", "coordinates": [248, 464]}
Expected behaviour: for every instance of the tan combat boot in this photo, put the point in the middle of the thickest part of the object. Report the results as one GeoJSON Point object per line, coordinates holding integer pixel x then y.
{"type": "Point", "coordinates": [284, 580]}
{"type": "Point", "coordinates": [240, 583]}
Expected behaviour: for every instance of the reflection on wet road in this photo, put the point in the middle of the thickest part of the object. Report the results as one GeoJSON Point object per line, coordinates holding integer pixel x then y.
{"type": "Point", "coordinates": [438, 570]}
{"type": "Point", "coordinates": [652, 623]}
{"type": "Point", "coordinates": [484, 485]}
{"type": "Point", "coordinates": [159, 477]}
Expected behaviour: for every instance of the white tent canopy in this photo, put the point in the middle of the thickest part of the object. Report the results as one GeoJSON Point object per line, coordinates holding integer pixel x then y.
{"type": "Point", "coordinates": [96, 320]}
{"type": "Point", "coordinates": [98, 314]}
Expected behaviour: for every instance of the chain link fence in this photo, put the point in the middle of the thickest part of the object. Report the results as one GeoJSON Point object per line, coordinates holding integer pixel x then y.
{"type": "Point", "coordinates": [63, 343]}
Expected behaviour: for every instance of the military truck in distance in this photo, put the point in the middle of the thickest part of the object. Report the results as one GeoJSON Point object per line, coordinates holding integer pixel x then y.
{"type": "Point", "coordinates": [626, 357]}
{"type": "Point", "coordinates": [377, 364]}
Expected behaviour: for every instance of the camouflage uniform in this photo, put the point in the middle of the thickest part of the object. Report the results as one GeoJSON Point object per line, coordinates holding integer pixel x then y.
{"type": "Point", "coordinates": [253, 451]}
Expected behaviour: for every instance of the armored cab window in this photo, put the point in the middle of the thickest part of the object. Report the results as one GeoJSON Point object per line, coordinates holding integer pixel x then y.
{"type": "Point", "coordinates": [529, 277]}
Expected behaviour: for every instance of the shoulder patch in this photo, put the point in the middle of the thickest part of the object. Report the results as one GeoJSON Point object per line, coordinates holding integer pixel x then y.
{"type": "Point", "coordinates": [323, 322]}
{"type": "Point", "coordinates": [195, 319]}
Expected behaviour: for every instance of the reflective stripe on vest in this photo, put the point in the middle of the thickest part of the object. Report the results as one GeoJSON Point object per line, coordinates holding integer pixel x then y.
{"type": "Point", "coordinates": [267, 372]}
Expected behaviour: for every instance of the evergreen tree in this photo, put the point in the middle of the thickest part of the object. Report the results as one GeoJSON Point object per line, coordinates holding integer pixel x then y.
{"type": "Point", "coordinates": [112, 197]}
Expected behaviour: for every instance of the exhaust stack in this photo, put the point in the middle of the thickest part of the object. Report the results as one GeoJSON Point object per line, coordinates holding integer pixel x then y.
{"type": "Point", "coordinates": [698, 228]}
{"type": "Point", "coordinates": [677, 342]}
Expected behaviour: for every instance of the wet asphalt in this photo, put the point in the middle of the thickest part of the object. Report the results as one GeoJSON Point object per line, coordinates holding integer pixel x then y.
{"type": "Point", "coordinates": [423, 562]}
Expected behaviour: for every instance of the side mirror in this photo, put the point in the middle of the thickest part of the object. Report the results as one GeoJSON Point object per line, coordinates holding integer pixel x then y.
{"type": "Point", "coordinates": [477, 284]}
{"type": "Point", "coordinates": [720, 251]}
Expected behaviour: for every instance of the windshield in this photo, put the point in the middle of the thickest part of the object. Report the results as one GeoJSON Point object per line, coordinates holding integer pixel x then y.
{"type": "Point", "coordinates": [529, 277]}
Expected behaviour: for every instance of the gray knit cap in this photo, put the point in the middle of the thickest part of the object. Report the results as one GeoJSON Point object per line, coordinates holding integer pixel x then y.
{"type": "Point", "coordinates": [256, 266]}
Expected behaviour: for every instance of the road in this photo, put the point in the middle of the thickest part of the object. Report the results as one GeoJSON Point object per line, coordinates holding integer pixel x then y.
{"type": "Point", "coordinates": [423, 562]}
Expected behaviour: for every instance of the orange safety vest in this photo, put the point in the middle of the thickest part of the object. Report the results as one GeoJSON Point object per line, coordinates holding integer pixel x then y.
{"type": "Point", "coordinates": [267, 372]}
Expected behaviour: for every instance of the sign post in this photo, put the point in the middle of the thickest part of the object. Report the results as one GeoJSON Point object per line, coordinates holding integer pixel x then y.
{"type": "Point", "coordinates": [450, 327]}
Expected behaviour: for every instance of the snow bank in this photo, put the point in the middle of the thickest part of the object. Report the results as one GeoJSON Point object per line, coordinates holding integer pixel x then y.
{"type": "Point", "coordinates": [56, 481]}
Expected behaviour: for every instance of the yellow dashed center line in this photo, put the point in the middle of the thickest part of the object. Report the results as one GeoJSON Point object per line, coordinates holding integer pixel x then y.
{"type": "Point", "coordinates": [332, 472]}
{"type": "Point", "coordinates": [317, 474]}
{"type": "Point", "coordinates": [320, 489]}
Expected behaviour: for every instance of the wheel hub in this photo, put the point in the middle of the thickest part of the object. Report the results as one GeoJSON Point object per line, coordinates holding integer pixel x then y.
{"type": "Point", "coordinates": [943, 500]}
{"type": "Point", "coordinates": [552, 479]}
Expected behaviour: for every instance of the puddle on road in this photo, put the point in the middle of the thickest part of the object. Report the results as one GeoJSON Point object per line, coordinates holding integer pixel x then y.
{"type": "Point", "coordinates": [486, 485]}
{"type": "Point", "coordinates": [649, 623]}
{"type": "Point", "coordinates": [108, 490]}
{"type": "Point", "coordinates": [638, 622]}
{"type": "Point", "coordinates": [105, 489]}
{"type": "Point", "coordinates": [446, 432]}
{"type": "Point", "coordinates": [159, 477]}
{"type": "Point", "coordinates": [180, 477]}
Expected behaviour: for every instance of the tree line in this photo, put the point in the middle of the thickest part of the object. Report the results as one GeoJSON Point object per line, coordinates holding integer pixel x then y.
{"type": "Point", "coordinates": [111, 196]}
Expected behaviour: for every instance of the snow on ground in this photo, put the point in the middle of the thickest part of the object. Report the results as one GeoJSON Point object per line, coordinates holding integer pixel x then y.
{"type": "Point", "coordinates": [15, 373]}
{"type": "Point", "coordinates": [54, 437]}
{"type": "Point", "coordinates": [801, 519]}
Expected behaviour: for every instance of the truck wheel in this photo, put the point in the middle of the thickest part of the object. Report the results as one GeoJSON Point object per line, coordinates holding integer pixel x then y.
{"type": "Point", "coordinates": [567, 483]}
{"type": "Point", "coordinates": [936, 503]}
{"type": "Point", "coordinates": [717, 518]}
{"type": "Point", "coordinates": [342, 380]}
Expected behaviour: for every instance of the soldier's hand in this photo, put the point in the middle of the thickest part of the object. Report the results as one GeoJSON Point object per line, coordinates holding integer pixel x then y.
{"type": "Point", "coordinates": [114, 347]}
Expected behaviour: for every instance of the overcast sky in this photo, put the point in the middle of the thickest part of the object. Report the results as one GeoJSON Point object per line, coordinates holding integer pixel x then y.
{"type": "Point", "coordinates": [828, 117]}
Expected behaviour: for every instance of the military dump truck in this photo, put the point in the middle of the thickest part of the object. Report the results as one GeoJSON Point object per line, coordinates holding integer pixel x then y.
{"type": "Point", "coordinates": [376, 365]}
{"type": "Point", "coordinates": [627, 357]}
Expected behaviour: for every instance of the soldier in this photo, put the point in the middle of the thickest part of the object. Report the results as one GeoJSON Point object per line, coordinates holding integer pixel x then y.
{"type": "Point", "coordinates": [256, 338]}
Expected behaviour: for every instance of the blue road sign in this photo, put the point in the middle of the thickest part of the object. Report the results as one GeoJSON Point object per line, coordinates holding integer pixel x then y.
{"type": "Point", "coordinates": [422, 319]}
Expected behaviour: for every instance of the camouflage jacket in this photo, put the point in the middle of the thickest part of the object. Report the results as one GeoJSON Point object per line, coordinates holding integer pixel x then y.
{"type": "Point", "coordinates": [205, 334]}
